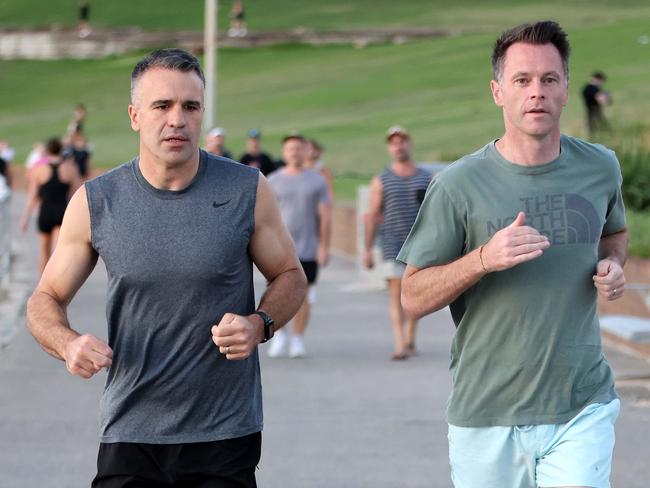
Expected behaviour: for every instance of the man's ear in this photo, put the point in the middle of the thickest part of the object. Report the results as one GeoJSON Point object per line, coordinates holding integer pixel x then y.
{"type": "Point", "coordinates": [497, 95]}
{"type": "Point", "coordinates": [133, 115]}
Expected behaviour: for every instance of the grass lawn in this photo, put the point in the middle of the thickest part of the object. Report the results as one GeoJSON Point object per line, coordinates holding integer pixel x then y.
{"type": "Point", "coordinates": [343, 96]}
{"type": "Point", "coordinates": [485, 15]}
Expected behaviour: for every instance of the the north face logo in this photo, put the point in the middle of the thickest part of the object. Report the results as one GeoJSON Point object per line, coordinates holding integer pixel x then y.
{"type": "Point", "coordinates": [565, 218]}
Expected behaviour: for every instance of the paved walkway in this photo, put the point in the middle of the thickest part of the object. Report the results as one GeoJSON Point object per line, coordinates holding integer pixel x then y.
{"type": "Point", "coordinates": [345, 416]}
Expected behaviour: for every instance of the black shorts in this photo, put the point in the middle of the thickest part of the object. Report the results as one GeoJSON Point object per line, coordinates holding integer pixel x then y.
{"type": "Point", "coordinates": [311, 271]}
{"type": "Point", "coordinates": [229, 463]}
{"type": "Point", "coordinates": [50, 217]}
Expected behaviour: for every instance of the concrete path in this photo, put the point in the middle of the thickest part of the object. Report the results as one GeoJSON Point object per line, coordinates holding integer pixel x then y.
{"type": "Point", "coordinates": [345, 416]}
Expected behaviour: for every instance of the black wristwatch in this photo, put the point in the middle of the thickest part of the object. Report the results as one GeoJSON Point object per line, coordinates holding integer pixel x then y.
{"type": "Point", "coordinates": [268, 326]}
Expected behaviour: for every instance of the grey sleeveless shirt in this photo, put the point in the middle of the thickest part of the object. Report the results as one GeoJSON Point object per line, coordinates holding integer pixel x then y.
{"type": "Point", "coordinates": [177, 261]}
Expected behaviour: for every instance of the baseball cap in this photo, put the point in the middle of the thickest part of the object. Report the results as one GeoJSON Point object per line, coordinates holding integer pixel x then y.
{"type": "Point", "coordinates": [216, 131]}
{"type": "Point", "coordinates": [396, 130]}
{"type": "Point", "coordinates": [255, 133]}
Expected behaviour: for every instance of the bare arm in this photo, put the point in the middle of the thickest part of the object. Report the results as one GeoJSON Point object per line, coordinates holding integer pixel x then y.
{"type": "Point", "coordinates": [272, 250]}
{"type": "Point", "coordinates": [612, 254]}
{"type": "Point", "coordinates": [32, 200]}
{"type": "Point", "coordinates": [325, 232]}
{"type": "Point", "coordinates": [429, 289]}
{"type": "Point", "coordinates": [70, 265]}
{"type": "Point", "coordinates": [71, 175]}
{"type": "Point", "coordinates": [327, 174]}
{"type": "Point", "coordinates": [373, 216]}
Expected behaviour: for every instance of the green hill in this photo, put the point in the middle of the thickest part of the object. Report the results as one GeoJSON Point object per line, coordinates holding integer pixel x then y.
{"type": "Point", "coordinates": [472, 15]}
{"type": "Point", "coordinates": [344, 96]}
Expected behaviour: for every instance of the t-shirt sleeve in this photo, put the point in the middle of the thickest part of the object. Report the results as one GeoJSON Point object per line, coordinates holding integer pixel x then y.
{"type": "Point", "coordinates": [615, 217]}
{"type": "Point", "coordinates": [439, 233]}
{"type": "Point", "coordinates": [323, 191]}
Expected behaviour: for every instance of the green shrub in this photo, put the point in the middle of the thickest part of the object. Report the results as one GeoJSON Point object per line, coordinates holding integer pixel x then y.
{"type": "Point", "coordinates": [635, 166]}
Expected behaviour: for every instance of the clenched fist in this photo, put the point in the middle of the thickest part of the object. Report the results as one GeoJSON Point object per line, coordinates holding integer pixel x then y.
{"type": "Point", "coordinates": [237, 335]}
{"type": "Point", "coordinates": [609, 279]}
{"type": "Point", "coordinates": [86, 355]}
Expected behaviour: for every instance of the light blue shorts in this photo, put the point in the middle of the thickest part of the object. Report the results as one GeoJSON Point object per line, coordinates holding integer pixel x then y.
{"type": "Point", "coordinates": [576, 453]}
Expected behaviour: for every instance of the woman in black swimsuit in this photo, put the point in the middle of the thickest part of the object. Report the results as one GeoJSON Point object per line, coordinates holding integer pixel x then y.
{"type": "Point", "coordinates": [51, 187]}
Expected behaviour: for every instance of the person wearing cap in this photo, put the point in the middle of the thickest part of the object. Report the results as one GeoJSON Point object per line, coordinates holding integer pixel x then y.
{"type": "Point", "coordinates": [306, 209]}
{"type": "Point", "coordinates": [395, 198]}
{"type": "Point", "coordinates": [254, 156]}
{"type": "Point", "coordinates": [214, 143]}
{"type": "Point", "coordinates": [595, 98]}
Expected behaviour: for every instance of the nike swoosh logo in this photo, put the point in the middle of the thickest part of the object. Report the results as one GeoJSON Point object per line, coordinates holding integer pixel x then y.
{"type": "Point", "coordinates": [217, 205]}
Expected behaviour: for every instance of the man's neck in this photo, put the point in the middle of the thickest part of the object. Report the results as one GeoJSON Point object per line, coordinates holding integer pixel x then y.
{"type": "Point", "coordinates": [168, 177]}
{"type": "Point", "coordinates": [529, 151]}
{"type": "Point", "coordinates": [403, 168]}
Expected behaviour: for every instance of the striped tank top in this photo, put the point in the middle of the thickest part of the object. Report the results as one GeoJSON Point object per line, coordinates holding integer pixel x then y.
{"type": "Point", "coordinates": [401, 203]}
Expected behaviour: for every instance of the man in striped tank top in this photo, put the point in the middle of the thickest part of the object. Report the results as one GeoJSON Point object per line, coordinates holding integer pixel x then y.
{"type": "Point", "coordinates": [395, 198]}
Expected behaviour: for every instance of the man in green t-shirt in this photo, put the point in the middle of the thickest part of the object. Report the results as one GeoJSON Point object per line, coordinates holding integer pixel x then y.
{"type": "Point", "coordinates": [518, 239]}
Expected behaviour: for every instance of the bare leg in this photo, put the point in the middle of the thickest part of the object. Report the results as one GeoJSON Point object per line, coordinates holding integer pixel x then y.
{"type": "Point", "coordinates": [45, 241]}
{"type": "Point", "coordinates": [411, 326]}
{"type": "Point", "coordinates": [397, 316]}
{"type": "Point", "coordinates": [301, 319]}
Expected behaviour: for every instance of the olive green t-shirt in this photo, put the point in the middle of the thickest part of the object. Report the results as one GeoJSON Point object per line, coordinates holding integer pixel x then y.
{"type": "Point", "coordinates": [527, 346]}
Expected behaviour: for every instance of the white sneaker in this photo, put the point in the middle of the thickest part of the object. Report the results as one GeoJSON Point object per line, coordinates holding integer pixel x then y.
{"type": "Point", "coordinates": [297, 348]}
{"type": "Point", "coordinates": [278, 345]}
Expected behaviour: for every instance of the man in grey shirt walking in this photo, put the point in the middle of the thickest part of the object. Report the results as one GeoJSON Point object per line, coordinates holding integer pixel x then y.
{"type": "Point", "coordinates": [178, 230]}
{"type": "Point", "coordinates": [305, 206]}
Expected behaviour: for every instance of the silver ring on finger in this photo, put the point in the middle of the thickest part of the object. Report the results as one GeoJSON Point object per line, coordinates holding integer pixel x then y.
{"type": "Point", "coordinates": [614, 292]}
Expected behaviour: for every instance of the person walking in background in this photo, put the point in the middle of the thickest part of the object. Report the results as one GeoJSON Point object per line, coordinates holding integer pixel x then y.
{"type": "Point", "coordinates": [79, 151]}
{"type": "Point", "coordinates": [305, 205]}
{"type": "Point", "coordinates": [237, 20]}
{"type": "Point", "coordinates": [254, 156]}
{"type": "Point", "coordinates": [519, 238]}
{"type": "Point", "coordinates": [179, 231]}
{"type": "Point", "coordinates": [595, 99]}
{"type": "Point", "coordinates": [84, 19]}
{"type": "Point", "coordinates": [78, 120]}
{"type": "Point", "coordinates": [5, 178]}
{"type": "Point", "coordinates": [50, 187]}
{"type": "Point", "coordinates": [313, 161]}
{"type": "Point", "coordinates": [395, 198]}
{"type": "Point", "coordinates": [214, 143]}
{"type": "Point", "coordinates": [7, 154]}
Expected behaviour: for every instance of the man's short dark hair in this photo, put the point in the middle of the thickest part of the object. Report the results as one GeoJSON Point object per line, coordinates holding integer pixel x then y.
{"type": "Point", "coordinates": [170, 58]}
{"type": "Point", "coordinates": [545, 32]}
{"type": "Point", "coordinates": [53, 146]}
{"type": "Point", "coordinates": [599, 75]}
{"type": "Point", "coordinates": [293, 137]}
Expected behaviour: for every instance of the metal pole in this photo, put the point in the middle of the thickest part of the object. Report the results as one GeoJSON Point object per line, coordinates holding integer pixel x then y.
{"type": "Point", "coordinates": [210, 62]}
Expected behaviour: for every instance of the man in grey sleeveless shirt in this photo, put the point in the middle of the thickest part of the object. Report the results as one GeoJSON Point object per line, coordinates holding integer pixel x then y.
{"type": "Point", "coordinates": [395, 197]}
{"type": "Point", "coordinates": [178, 230]}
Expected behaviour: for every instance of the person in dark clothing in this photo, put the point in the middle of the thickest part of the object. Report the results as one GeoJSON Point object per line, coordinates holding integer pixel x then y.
{"type": "Point", "coordinates": [595, 99]}
{"type": "Point", "coordinates": [84, 19]}
{"type": "Point", "coordinates": [254, 156]}
{"type": "Point", "coordinates": [4, 172]}
{"type": "Point", "coordinates": [50, 187]}
{"type": "Point", "coordinates": [79, 152]}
